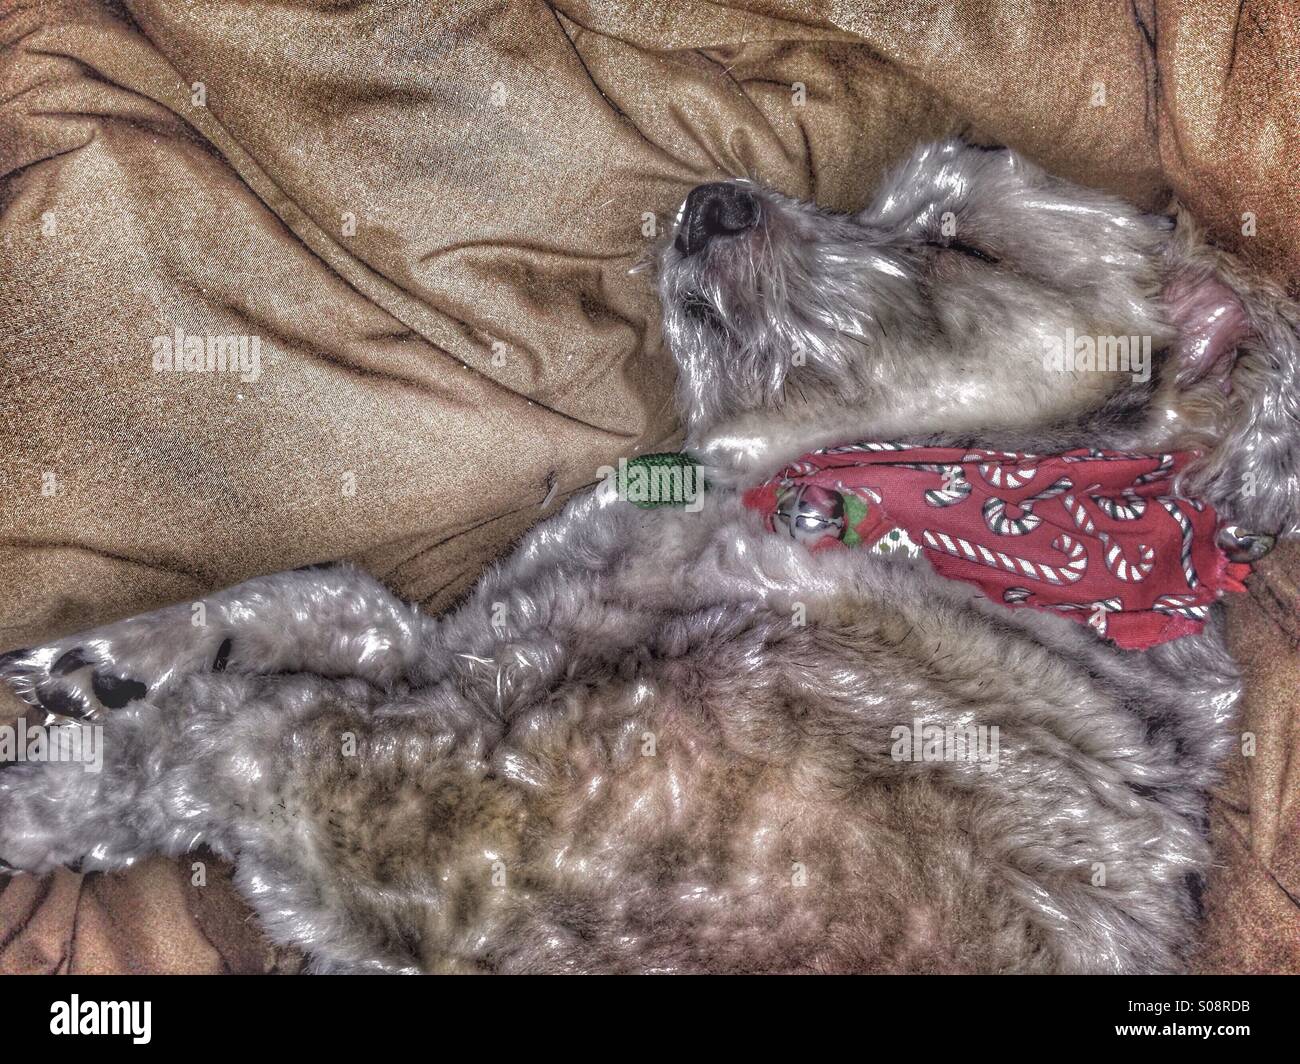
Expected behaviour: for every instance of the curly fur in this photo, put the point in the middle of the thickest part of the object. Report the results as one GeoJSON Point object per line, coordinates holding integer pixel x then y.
{"type": "Point", "coordinates": [660, 740]}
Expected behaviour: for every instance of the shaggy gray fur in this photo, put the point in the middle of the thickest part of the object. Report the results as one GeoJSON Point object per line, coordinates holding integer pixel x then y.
{"type": "Point", "coordinates": [661, 740]}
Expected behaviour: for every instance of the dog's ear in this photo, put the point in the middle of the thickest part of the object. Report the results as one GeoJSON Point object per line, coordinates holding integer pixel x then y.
{"type": "Point", "coordinates": [1238, 376]}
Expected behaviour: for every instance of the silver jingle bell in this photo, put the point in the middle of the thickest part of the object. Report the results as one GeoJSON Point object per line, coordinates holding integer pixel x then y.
{"type": "Point", "coordinates": [810, 512]}
{"type": "Point", "coordinates": [1243, 546]}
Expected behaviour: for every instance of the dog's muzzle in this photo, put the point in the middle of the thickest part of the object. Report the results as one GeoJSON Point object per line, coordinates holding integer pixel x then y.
{"type": "Point", "coordinates": [722, 208]}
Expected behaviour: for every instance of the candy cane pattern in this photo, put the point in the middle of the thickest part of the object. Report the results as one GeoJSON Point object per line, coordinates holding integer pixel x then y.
{"type": "Point", "coordinates": [995, 516]}
{"type": "Point", "coordinates": [1110, 605]}
{"type": "Point", "coordinates": [1098, 609]}
{"type": "Point", "coordinates": [1122, 568]}
{"type": "Point", "coordinates": [1095, 455]}
{"type": "Point", "coordinates": [1161, 471]}
{"type": "Point", "coordinates": [865, 445]}
{"type": "Point", "coordinates": [1182, 606]}
{"type": "Point", "coordinates": [1185, 555]}
{"type": "Point", "coordinates": [1001, 477]}
{"type": "Point", "coordinates": [861, 491]}
{"type": "Point", "coordinates": [1129, 507]}
{"type": "Point", "coordinates": [1080, 514]}
{"type": "Point", "coordinates": [995, 511]}
{"type": "Point", "coordinates": [956, 487]}
{"type": "Point", "coordinates": [1116, 562]}
{"type": "Point", "coordinates": [1075, 567]}
{"type": "Point", "coordinates": [936, 497]}
{"type": "Point", "coordinates": [1015, 596]}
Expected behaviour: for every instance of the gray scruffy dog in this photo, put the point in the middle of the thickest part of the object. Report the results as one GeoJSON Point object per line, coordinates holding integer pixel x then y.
{"type": "Point", "coordinates": [621, 753]}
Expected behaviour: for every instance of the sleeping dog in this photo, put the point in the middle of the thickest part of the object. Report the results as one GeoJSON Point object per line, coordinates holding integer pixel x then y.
{"type": "Point", "coordinates": [932, 679]}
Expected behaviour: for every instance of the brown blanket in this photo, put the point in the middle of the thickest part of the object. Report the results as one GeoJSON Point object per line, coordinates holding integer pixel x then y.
{"type": "Point", "coordinates": [426, 215]}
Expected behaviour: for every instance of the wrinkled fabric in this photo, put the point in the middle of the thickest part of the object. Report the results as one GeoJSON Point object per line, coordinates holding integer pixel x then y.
{"type": "Point", "coordinates": [427, 216]}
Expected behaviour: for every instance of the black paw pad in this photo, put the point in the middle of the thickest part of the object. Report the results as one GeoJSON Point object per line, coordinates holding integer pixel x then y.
{"type": "Point", "coordinates": [10, 657]}
{"type": "Point", "coordinates": [223, 656]}
{"type": "Point", "coordinates": [61, 703]}
{"type": "Point", "coordinates": [70, 661]}
{"type": "Point", "coordinates": [116, 691]}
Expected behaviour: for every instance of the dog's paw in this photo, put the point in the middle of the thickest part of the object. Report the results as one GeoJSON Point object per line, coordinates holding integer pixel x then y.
{"type": "Point", "coordinates": [57, 813]}
{"type": "Point", "coordinates": [68, 680]}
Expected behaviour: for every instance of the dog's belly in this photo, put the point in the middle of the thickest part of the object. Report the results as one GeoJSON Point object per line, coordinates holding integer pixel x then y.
{"type": "Point", "coordinates": [621, 832]}
{"type": "Point", "coordinates": [716, 809]}
{"type": "Point", "coordinates": [703, 859]}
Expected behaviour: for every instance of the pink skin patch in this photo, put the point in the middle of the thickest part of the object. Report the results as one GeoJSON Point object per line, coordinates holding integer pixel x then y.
{"type": "Point", "coordinates": [1210, 323]}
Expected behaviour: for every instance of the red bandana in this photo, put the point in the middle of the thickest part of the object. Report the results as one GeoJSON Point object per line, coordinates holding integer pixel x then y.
{"type": "Point", "coordinates": [1095, 535]}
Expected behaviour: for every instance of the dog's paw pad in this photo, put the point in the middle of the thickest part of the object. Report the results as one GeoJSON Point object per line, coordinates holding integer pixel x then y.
{"type": "Point", "coordinates": [71, 661]}
{"type": "Point", "coordinates": [223, 656]}
{"type": "Point", "coordinates": [62, 703]}
{"type": "Point", "coordinates": [48, 679]}
{"type": "Point", "coordinates": [114, 692]}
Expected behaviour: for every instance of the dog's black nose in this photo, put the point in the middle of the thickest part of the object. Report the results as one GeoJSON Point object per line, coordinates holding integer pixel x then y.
{"type": "Point", "coordinates": [722, 208]}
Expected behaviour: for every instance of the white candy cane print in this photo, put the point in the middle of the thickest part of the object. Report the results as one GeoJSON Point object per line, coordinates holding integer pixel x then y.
{"type": "Point", "coordinates": [865, 445]}
{"type": "Point", "coordinates": [1001, 476]}
{"type": "Point", "coordinates": [1123, 569]}
{"type": "Point", "coordinates": [861, 491]}
{"type": "Point", "coordinates": [1116, 563]}
{"type": "Point", "coordinates": [1098, 610]}
{"type": "Point", "coordinates": [1182, 606]}
{"type": "Point", "coordinates": [1079, 513]}
{"type": "Point", "coordinates": [953, 492]}
{"type": "Point", "coordinates": [1161, 471]}
{"type": "Point", "coordinates": [995, 511]}
{"type": "Point", "coordinates": [1095, 455]}
{"type": "Point", "coordinates": [955, 488]}
{"type": "Point", "coordinates": [1128, 507]}
{"type": "Point", "coordinates": [1015, 596]}
{"type": "Point", "coordinates": [1074, 568]}
{"type": "Point", "coordinates": [1185, 526]}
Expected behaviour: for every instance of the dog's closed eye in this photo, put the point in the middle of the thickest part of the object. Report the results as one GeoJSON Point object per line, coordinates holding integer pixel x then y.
{"type": "Point", "coordinates": [969, 250]}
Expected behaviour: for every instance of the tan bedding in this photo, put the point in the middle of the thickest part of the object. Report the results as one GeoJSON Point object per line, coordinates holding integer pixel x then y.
{"type": "Point", "coordinates": [428, 220]}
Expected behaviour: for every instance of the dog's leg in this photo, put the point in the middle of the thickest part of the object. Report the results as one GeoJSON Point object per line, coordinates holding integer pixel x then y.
{"type": "Point", "coordinates": [199, 763]}
{"type": "Point", "coordinates": [334, 622]}
{"type": "Point", "coordinates": [325, 807]}
{"type": "Point", "coordinates": [76, 800]}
